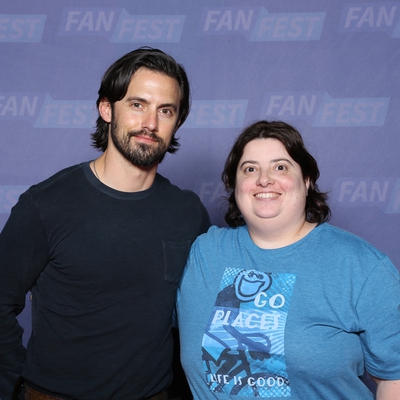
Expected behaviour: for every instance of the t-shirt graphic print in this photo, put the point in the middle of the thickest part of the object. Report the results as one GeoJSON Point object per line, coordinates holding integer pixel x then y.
{"type": "Point", "coordinates": [243, 346]}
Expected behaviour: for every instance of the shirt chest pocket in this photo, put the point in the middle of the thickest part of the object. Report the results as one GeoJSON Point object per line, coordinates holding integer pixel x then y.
{"type": "Point", "coordinates": [175, 256]}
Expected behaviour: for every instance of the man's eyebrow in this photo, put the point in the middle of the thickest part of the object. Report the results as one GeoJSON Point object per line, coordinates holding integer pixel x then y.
{"type": "Point", "coordinates": [136, 98]}
{"type": "Point", "coordinates": [145, 101]}
{"type": "Point", "coordinates": [171, 105]}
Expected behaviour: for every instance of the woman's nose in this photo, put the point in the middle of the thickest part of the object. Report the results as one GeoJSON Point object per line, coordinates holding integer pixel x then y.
{"type": "Point", "coordinates": [264, 178]}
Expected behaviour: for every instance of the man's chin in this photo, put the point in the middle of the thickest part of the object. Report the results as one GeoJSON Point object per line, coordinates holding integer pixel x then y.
{"type": "Point", "coordinates": [145, 162]}
{"type": "Point", "coordinates": [145, 165]}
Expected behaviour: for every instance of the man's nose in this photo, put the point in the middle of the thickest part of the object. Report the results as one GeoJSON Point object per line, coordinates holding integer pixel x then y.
{"type": "Point", "coordinates": [150, 121]}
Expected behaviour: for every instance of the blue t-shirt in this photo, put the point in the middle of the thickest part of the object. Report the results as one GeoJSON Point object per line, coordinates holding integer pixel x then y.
{"type": "Point", "coordinates": [299, 322]}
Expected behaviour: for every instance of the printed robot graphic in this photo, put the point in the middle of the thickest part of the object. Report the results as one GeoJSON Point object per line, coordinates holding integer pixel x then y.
{"type": "Point", "coordinates": [243, 345]}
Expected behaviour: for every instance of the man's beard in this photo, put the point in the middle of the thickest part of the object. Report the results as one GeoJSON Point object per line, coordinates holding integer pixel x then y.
{"type": "Point", "coordinates": [140, 154]}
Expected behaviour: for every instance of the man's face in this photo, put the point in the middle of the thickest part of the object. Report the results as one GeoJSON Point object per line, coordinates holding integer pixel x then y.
{"type": "Point", "coordinates": [144, 121]}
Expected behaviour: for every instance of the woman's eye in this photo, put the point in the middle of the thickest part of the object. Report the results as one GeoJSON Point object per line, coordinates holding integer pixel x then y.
{"type": "Point", "coordinates": [281, 167]}
{"type": "Point", "coordinates": [249, 169]}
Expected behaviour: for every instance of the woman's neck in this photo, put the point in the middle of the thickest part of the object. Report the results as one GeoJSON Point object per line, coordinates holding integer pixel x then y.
{"type": "Point", "coordinates": [268, 237]}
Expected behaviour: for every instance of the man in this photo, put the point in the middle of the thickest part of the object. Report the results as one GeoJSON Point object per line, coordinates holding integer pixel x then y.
{"type": "Point", "coordinates": [102, 245]}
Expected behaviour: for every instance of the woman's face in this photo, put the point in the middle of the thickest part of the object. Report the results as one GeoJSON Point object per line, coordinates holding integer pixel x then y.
{"type": "Point", "coordinates": [270, 185]}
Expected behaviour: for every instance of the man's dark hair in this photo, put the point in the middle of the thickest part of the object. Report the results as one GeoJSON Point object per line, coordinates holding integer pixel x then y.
{"type": "Point", "coordinates": [117, 78]}
{"type": "Point", "coordinates": [316, 209]}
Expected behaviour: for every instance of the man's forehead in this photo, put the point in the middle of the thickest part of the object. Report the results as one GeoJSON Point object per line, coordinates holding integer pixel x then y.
{"type": "Point", "coordinates": [144, 76]}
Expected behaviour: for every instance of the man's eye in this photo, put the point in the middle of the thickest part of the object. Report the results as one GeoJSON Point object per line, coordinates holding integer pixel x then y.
{"type": "Point", "coordinates": [166, 111]}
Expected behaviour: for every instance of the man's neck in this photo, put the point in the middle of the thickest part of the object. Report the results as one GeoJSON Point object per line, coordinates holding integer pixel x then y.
{"type": "Point", "coordinates": [119, 174]}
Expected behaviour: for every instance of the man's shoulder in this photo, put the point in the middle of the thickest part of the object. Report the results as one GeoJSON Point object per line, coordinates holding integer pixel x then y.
{"type": "Point", "coordinates": [59, 179]}
{"type": "Point", "coordinates": [57, 188]}
{"type": "Point", "coordinates": [182, 204]}
{"type": "Point", "coordinates": [175, 191]}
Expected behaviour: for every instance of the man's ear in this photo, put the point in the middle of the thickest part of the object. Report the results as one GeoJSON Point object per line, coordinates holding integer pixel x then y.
{"type": "Point", "coordinates": [177, 126]}
{"type": "Point", "coordinates": [105, 110]}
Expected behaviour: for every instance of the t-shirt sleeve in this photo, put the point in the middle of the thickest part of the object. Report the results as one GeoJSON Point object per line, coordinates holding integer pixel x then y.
{"type": "Point", "coordinates": [379, 312]}
{"type": "Point", "coordinates": [23, 255]}
{"type": "Point", "coordinates": [205, 222]}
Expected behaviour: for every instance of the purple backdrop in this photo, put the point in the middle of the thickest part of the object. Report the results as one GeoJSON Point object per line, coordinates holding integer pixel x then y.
{"type": "Point", "coordinates": [331, 68]}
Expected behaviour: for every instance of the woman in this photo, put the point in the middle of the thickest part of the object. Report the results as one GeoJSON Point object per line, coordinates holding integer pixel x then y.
{"type": "Point", "coordinates": [282, 304]}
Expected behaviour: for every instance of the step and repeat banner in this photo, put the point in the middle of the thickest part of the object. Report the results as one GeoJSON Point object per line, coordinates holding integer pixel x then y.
{"type": "Point", "coordinates": [330, 68]}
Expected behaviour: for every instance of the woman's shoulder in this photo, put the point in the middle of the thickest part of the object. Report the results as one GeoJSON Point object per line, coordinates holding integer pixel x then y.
{"type": "Point", "coordinates": [345, 242]}
{"type": "Point", "coordinates": [217, 236]}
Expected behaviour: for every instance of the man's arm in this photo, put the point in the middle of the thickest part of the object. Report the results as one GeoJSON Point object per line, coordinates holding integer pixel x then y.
{"type": "Point", "coordinates": [23, 251]}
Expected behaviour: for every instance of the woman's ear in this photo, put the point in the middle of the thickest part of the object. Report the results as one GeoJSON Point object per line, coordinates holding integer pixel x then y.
{"type": "Point", "coordinates": [307, 184]}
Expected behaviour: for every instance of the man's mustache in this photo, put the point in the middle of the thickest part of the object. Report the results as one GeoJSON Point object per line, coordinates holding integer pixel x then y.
{"type": "Point", "coordinates": [148, 134]}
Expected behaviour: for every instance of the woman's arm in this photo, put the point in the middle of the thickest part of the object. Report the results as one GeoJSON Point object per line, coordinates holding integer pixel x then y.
{"type": "Point", "coordinates": [387, 390]}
